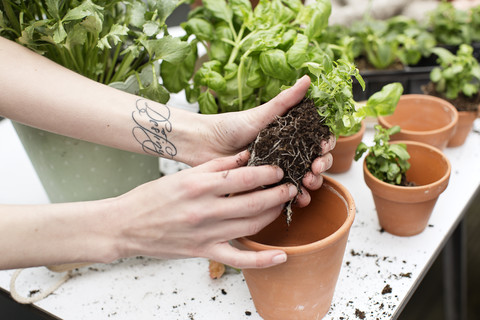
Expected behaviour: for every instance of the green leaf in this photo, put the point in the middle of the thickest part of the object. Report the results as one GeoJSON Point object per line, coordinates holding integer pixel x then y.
{"type": "Point", "coordinates": [167, 48]}
{"type": "Point", "coordinates": [316, 17]}
{"type": "Point", "coordinates": [444, 55]}
{"type": "Point", "coordinates": [136, 14]}
{"type": "Point", "coordinates": [469, 89]}
{"type": "Point", "coordinates": [164, 8]}
{"type": "Point", "coordinates": [219, 9]}
{"type": "Point", "coordinates": [202, 29]}
{"type": "Point", "coordinates": [400, 151]}
{"type": "Point", "coordinates": [207, 104]}
{"type": "Point", "coordinates": [361, 149]}
{"type": "Point", "coordinates": [86, 8]}
{"type": "Point", "coordinates": [274, 64]}
{"type": "Point", "coordinates": [53, 8]}
{"type": "Point", "coordinates": [59, 33]}
{"type": "Point", "coordinates": [151, 28]}
{"type": "Point", "coordinates": [297, 54]}
{"type": "Point", "coordinates": [435, 74]}
{"type": "Point", "coordinates": [114, 35]}
{"type": "Point", "coordinates": [383, 102]}
{"type": "Point", "coordinates": [255, 77]}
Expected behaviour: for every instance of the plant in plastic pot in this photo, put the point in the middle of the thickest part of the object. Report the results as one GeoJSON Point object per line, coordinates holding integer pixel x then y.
{"type": "Point", "coordinates": [457, 80]}
{"type": "Point", "coordinates": [405, 178]}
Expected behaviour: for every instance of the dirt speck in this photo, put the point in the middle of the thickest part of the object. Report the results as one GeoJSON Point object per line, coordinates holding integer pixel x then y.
{"type": "Point", "coordinates": [387, 289]}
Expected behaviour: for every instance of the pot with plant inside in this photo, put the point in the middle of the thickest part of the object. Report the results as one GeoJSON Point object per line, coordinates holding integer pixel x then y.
{"type": "Point", "coordinates": [457, 80]}
{"type": "Point", "coordinates": [405, 178]}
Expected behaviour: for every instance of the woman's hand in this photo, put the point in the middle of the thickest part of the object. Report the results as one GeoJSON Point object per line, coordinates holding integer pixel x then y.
{"type": "Point", "coordinates": [229, 133]}
{"type": "Point", "coordinates": [188, 214]}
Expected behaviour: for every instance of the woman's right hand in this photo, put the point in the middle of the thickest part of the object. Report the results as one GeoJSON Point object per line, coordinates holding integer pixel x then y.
{"type": "Point", "coordinates": [188, 214]}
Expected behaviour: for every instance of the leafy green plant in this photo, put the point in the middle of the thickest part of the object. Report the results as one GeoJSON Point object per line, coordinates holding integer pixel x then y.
{"type": "Point", "coordinates": [385, 42]}
{"type": "Point", "coordinates": [387, 162]}
{"type": "Point", "coordinates": [449, 25]}
{"type": "Point", "coordinates": [331, 91]}
{"type": "Point", "coordinates": [378, 47]}
{"type": "Point", "coordinates": [475, 22]}
{"type": "Point", "coordinates": [107, 41]}
{"type": "Point", "coordinates": [414, 41]}
{"type": "Point", "coordinates": [456, 74]}
{"type": "Point", "coordinates": [251, 53]}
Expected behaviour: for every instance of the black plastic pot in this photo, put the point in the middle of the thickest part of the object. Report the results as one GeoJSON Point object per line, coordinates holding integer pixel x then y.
{"type": "Point", "coordinates": [411, 78]}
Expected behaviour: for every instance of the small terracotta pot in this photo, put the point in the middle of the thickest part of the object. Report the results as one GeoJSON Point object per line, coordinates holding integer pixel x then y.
{"type": "Point", "coordinates": [464, 126]}
{"type": "Point", "coordinates": [344, 151]}
{"type": "Point", "coordinates": [423, 118]}
{"type": "Point", "coordinates": [405, 211]}
{"type": "Point", "coordinates": [302, 287]}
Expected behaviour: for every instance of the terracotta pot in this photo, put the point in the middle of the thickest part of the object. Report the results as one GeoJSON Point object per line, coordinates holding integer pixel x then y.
{"type": "Point", "coordinates": [405, 211]}
{"type": "Point", "coordinates": [464, 126]}
{"type": "Point", "coordinates": [344, 151]}
{"type": "Point", "coordinates": [423, 118]}
{"type": "Point", "coordinates": [302, 287]}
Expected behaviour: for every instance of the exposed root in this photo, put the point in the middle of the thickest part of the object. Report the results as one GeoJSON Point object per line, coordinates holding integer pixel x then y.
{"type": "Point", "coordinates": [291, 142]}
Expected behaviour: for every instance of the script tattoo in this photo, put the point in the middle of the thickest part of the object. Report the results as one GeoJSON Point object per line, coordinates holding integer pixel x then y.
{"type": "Point", "coordinates": [152, 129]}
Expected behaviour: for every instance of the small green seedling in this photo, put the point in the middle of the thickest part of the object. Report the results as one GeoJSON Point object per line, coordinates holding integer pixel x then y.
{"type": "Point", "coordinates": [456, 74]}
{"type": "Point", "coordinates": [387, 162]}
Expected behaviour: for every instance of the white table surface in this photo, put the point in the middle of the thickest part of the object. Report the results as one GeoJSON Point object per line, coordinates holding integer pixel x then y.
{"type": "Point", "coordinates": [141, 288]}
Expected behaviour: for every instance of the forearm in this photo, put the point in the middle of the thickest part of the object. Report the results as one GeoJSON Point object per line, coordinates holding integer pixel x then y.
{"type": "Point", "coordinates": [51, 234]}
{"type": "Point", "coordinates": [37, 92]}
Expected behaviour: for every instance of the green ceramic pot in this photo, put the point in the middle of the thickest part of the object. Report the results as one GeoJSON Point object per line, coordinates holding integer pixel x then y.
{"type": "Point", "coordinates": [76, 170]}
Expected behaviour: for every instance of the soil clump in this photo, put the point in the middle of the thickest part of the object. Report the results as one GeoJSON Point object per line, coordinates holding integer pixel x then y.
{"type": "Point", "coordinates": [291, 142]}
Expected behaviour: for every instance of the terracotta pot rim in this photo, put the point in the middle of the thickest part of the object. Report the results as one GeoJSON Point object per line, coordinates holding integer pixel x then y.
{"type": "Point", "coordinates": [325, 242]}
{"type": "Point", "coordinates": [356, 134]}
{"type": "Point", "coordinates": [468, 112]}
{"type": "Point", "coordinates": [444, 102]}
{"type": "Point", "coordinates": [446, 176]}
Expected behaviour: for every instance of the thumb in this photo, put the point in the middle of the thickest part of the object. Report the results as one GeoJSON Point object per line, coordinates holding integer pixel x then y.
{"type": "Point", "coordinates": [279, 105]}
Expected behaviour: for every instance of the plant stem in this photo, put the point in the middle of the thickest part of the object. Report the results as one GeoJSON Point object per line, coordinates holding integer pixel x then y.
{"type": "Point", "coordinates": [124, 66]}
{"type": "Point", "coordinates": [11, 16]}
{"type": "Point", "coordinates": [238, 43]}
{"type": "Point", "coordinates": [108, 78]}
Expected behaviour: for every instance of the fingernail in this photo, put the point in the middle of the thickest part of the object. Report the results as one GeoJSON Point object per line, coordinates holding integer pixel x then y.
{"type": "Point", "coordinates": [292, 190]}
{"type": "Point", "coordinates": [280, 258]}
{"type": "Point", "coordinates": [279, 173]}
{"type": "Point", "coordinates": [300, 79]}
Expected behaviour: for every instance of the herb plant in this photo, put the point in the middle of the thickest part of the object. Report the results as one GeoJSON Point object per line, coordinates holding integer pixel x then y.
{"type": "Point", "coordinates": [251, 53]}
{"type": "Point", "coordinates": [331, 91]}
{"type": "Point", "coordinates": [254, 53]}
{"type": "Point", "coordinates": [475, 23]}
{"type": "Point", "coordinates": [456, 74]}
{"type": "Point", "coordinates": [387, 162]}
{"type": "Point", "coordinates": [385, 42]}
{"type": "Point", "coordinates": [105, 40]}
{"type": "Point", "coordinates": [449, 25]}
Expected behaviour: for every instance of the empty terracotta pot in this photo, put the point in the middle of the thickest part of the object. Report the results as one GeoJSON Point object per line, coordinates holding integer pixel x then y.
{"type": "Point", "coordinates": [464, 126]}
{"type": "Point", "coordinates": [405, 211]}
{"type": "Point", "coordinates": [344, 151]}
{"type": "Point", "coordinates": [423, 118]}
{"type": "Point", "coordinates": [302, 287]}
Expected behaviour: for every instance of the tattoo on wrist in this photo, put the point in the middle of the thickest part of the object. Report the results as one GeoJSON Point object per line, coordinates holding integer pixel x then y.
{"type": "Point", "coordinates": [152, 129]}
